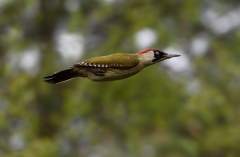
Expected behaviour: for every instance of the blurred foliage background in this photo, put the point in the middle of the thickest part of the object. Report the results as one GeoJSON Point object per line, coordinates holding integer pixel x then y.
{"type": "Point", "coordinates": [187, 106]}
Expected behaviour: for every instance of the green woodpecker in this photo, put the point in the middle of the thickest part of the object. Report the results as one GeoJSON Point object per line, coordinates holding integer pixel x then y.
{"type": "Point", "coordinates": [111, 67]}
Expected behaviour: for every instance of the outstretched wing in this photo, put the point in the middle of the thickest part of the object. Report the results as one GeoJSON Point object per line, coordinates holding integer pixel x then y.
{"type": "Point", "coordinates": [111, 61]}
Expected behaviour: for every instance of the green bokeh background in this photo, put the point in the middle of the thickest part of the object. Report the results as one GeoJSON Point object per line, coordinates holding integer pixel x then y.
{"type": "Point", "coordinates": [152, 114]}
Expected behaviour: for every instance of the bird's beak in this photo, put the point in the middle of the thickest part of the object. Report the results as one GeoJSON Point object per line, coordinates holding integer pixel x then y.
{"type": "Point", "coordinates": [171, 55]}
{"type": "Point", "coordinates": [165, 56]}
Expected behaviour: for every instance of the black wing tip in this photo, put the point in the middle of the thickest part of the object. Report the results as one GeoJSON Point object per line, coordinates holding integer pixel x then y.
{"type": "Point", "coordinates": [51, 80]}
{"type": "Point", "coordinates": [55, 81]}
{"type": "Point", "coordinates": [48, 77]}
{"type": "Point", "coordinates": [60, 77]}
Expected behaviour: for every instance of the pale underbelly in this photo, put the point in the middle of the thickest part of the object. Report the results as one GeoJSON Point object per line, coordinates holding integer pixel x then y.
{"type": "Point", "coordinates": [113, 74]}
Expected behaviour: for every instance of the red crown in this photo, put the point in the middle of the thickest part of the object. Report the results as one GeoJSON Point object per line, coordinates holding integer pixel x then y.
{"type": "Point", "coordinates": [144, 51]}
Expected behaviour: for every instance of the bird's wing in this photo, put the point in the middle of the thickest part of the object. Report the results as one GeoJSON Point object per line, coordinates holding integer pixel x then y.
{"type": "Point", "coordinates": [111, 61]}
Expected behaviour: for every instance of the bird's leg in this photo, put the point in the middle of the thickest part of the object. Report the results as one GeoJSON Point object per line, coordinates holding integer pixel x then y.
{"type": "Point", "coordinates": [99, 72]}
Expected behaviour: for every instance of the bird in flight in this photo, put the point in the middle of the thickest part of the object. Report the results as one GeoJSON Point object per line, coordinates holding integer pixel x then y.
{"type": "Point", "coordinates": [111, 67]}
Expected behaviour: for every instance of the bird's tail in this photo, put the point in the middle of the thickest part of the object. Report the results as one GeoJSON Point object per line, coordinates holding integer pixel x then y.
{"type": "Point", "coordinates": [61, 76]}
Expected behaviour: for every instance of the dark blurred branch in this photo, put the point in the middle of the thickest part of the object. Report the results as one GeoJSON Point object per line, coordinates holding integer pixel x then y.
{"type": "Point", "coordinates": [50, 12]}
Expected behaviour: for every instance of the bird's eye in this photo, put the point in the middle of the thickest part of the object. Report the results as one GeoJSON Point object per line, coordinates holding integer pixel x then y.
{"type": "Point", "coordinates": [157, 53]}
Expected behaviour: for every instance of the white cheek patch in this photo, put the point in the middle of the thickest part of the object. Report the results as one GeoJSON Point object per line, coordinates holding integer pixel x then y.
{"type": "Point", "coordinates": [148, 57]}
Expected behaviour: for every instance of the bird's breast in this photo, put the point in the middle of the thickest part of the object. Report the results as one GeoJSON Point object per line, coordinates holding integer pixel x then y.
{"type": "Point", "coordinates": [111, 74]}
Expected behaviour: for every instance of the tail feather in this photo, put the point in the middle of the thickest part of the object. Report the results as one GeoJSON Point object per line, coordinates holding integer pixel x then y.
{"type": "Point", "coordinates": [61, 76]}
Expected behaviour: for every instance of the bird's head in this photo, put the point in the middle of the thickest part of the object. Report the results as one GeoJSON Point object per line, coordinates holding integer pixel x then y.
{"type": "Point", "coordinates": [153, 55]}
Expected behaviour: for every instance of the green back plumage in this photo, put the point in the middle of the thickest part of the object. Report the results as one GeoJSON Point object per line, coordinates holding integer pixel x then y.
{"type": "Point", "coordinates": [115, 60]}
